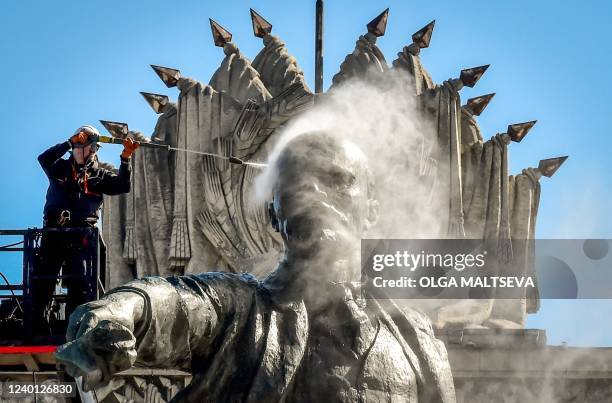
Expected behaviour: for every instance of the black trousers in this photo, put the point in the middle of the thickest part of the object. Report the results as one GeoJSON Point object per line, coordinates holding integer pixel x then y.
{"type": "Point", "coordinates": [70, 253]}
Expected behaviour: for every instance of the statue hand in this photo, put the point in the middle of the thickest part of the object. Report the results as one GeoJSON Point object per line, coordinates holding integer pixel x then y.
{"type": "Point", "coordinates": [98, 346]}
{"type": "Point", "coordinates": [533, 173]}
{"type": "Point", "coordinates": [454, 85]}
{"type": "Point", "coordinates": [185, 84]}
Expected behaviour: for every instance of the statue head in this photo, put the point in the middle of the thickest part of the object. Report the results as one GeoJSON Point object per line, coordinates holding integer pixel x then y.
{"type": "Point", "coordinates": [323, 201]}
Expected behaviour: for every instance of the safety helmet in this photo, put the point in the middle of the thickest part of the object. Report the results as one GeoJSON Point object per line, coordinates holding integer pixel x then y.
{"type": "Point", "coordinates": [93, 136]}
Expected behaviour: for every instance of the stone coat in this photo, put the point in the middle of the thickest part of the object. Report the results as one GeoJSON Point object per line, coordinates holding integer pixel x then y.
{"type": "Point", "coordinates": [242, 346]}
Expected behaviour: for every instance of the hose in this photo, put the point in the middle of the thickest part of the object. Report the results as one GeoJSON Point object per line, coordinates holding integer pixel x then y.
{"type": "Point", "coordinates": [10, 245]}
{"type": "Point", "coordinates": [12, 292]}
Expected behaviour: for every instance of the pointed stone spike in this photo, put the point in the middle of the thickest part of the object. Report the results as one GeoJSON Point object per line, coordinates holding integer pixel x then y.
{"type": "Point", "coordinates": [549, 166]}
{"type": "Point", "coordinates": [221, 36]}
{"type": "Point", "coordinates": [116, 129]}
{"type": "Point", "coordinates": [261, 27]}
{"type": "Point", "coordinates": [169, 76]}
{"type": "Point", "coordinates": [478, 104]}
{"type": "Point", "coordinates": [378, 25]}
{"type": "Point", "coordinates": [422, 37]}
{"type": "Point", "coordinates": [518, 131]}
{"type": "Point", "coordinates": [471, 76]}
{"type": "Point", "coordinates": [157, 101]}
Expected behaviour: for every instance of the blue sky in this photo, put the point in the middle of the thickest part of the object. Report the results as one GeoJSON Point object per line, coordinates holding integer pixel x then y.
{"type": "Point", "coordinates": [67, 63]}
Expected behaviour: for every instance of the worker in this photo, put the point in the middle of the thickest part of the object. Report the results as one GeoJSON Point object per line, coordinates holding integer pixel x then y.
{"type": "Point", "coordinates": [74, 198]}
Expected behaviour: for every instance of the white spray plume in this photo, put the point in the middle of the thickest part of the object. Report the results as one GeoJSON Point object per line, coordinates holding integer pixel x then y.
{"type": "Point", "coordinates": [381, 117]}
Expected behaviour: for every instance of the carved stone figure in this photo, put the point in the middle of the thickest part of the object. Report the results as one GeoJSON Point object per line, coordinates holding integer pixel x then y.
{"type": "Point", "coordinates": [190, 211]}
{"type": "Point", "coordinates": [193, 210]}
{"type": "Point", "coordinates": [301, 334]}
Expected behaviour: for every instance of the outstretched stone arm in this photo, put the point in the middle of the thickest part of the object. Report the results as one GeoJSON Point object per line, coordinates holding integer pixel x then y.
{"type": "Point", "coordinates": [152, 322]}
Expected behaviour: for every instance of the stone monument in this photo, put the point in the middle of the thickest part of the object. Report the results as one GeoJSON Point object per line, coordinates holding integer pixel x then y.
{"type": "Point", "coordinates": [193, 211]}
{"type": "Point", "coordinates": [301, 334]}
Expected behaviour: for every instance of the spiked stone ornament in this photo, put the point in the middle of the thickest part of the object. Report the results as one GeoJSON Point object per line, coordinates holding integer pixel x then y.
{"type": "Point", "coordinates": [261, 27]}
{"type": "Point", "coordinates": [549, 166]}
{"type": "Point", "coordinates": [116, 129]}
{"type": "Point", "coordinates": [478, 104]}
{"type": "Point", "coordinates": [422, 37]}
{"type": "Point", "coordinates": [470, 76]}
{"type": "Point", "coordinates": [156, 101]}
{"type": "Point", "coordinates": [168, 75]}
{"type": "Point", "coordinates": [518, 131]}
{"type": "Point", "coordinates": [221, 36]}
{"type": "Point", "coordinates": [378, 25]}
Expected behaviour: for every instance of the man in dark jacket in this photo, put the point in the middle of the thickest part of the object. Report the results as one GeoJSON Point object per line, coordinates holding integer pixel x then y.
{"type": "Point", "coordinates": [74, 197]}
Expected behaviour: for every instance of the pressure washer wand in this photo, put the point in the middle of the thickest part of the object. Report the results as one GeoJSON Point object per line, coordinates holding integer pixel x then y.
{"type": "Point", "coordinates": [231, 159]}
{"type": "Point", "coordinates": [114, 140]}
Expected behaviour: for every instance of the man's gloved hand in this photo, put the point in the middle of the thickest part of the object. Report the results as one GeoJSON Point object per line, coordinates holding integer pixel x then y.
{"type": "Point", "coordinates": [79, 138]}
{"type": "Point", "coordinates": [129, 146]}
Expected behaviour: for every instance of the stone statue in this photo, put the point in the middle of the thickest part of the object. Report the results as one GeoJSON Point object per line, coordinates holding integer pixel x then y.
{"type": "Point", "coordinates": [367, 60]}
{"type": "Point", "coordinates": [303, 333]}
{"type": "Point", "coordinates": [191, 211]}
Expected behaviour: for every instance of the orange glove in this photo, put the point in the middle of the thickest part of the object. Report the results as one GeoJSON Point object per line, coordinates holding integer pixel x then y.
{"type": "Point", "coordinates": [129, 146]}
{"type": "Point", "coordinates": [79, 138]}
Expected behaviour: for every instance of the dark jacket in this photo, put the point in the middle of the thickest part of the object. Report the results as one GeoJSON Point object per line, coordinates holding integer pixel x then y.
{"type": "Point", "coordinates": [78, 189]}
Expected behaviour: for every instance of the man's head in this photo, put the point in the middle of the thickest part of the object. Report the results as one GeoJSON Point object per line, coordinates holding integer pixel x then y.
{"type": "Point", "coordinates": [322, 196]}
{"type": "Point", "coordinates": [83, 152]}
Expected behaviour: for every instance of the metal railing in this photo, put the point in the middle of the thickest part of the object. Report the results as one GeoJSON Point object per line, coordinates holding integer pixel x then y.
{"type": "Point", "coordinates": [93, 251]}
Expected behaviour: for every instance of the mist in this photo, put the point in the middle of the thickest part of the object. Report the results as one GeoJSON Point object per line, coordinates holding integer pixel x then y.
{"type": "Point", "coordinates": [382, 118]}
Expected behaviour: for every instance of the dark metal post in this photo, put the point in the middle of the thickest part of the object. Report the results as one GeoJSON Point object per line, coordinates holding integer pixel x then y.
{"type": "Point", "coordinates": [319, 48]}
{"type": "Point", "coordinates": [29, 241]}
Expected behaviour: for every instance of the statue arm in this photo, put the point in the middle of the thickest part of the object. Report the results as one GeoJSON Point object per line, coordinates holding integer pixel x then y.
{"type": "Point", "coordinates": [150, 322]}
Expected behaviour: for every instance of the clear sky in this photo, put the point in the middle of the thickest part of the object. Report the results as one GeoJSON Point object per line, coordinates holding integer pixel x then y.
{"type": "Point", "coordinates": [67, 63]}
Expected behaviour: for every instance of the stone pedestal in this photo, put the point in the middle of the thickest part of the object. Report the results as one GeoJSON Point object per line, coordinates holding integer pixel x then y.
{"type": "Point", "coordinates": [517, 366]}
